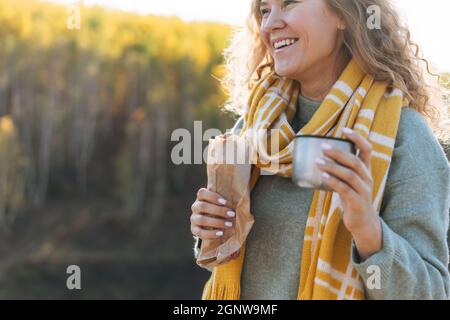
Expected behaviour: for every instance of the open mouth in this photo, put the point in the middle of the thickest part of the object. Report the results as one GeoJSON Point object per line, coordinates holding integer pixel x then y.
{"type": "Point", "coordinates": [284, 43]}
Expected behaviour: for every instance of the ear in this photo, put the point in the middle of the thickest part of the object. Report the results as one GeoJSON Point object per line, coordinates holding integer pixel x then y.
{"type": "Point", "coordinates": [341, 24]}
{"type": "Point", "coordinates": [342, 27]}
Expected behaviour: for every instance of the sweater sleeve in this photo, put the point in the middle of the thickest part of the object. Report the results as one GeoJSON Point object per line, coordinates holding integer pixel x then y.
{"type": "Point", "coordinates": [413, 262]}
{"type": "Point", "coordinates": [197, 241]}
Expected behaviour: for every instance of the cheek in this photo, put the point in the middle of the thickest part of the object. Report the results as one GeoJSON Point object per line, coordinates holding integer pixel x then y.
{"type": "Point", "coordinates": [317, 29]}
{"type": "Point", "coordinates": [267, 44]}
{"type": "Point", "coordinates": [300, 23]}
{"type": "Point", "coordinates": [322, 37]}
{"type": "Point", "coordinates": [264, 37]}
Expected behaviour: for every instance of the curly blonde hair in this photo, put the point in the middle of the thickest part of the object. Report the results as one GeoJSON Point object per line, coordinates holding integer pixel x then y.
{"type": "Point", "coordinates": [388, 54]}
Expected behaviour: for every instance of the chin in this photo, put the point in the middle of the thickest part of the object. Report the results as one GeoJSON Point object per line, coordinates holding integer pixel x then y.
{"type": "Point", "coordinates": [288, 68]}
{"type": "Point", "coordinates": [284, 72]}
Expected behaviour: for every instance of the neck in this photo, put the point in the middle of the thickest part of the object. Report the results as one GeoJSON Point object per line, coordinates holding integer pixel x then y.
{"type": "Point", "coordinates": [316, 83]}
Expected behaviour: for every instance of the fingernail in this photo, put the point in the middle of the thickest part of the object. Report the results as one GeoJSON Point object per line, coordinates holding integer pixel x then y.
{"type": "Point", "coordinates": [222, 201]}
{"type": "Point", "coordinates": [325, 175]}
{"type": "Point", "coordinates": [320, 161]}
{"type": "Point", "coordinates": [219, 233]}
{"type": "Point", "coordinates": [326, 146]}
{"type": "Point", "coordinates": [231, 214]}
{"type": "Point", "coordinates": [228, 224]}
{"type": "Point", "coordinates": [347, 130]}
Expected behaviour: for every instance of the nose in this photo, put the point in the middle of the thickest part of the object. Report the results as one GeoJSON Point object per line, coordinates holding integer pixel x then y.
{"type": "Point", "coordinates": [273, 22]}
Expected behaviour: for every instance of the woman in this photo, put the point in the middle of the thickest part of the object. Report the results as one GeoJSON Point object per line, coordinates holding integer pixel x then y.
{"type": "Point", "coordinates": [317, 68]}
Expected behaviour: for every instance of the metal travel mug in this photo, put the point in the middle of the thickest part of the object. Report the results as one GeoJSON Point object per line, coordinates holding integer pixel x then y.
{"type": "Point", "coordinates": [307, 149]}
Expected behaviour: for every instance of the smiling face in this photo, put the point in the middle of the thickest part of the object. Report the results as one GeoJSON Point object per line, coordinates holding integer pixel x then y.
{"type": "Point", "coordinates": [300, 35]}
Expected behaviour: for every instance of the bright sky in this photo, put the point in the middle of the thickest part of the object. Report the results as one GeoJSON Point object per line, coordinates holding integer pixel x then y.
{"type": "Point", "coordinates": [428, 19]}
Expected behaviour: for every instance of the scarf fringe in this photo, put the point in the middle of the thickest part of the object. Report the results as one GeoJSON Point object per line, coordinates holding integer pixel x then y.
{"type": "Point", "coordinates": [221, 291]}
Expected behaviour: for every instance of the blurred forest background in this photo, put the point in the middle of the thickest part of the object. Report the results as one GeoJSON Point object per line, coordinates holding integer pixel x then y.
{"type": "Point", "coordinates": [85, 172]}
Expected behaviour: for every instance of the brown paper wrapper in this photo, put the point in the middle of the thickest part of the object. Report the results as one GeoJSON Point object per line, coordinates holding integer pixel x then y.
{"type": "Point", "coordinates": [229, 169]}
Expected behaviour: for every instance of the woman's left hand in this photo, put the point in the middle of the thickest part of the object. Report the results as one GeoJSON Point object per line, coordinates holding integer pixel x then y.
{"type": "Point", "coordinates": [350, 176]}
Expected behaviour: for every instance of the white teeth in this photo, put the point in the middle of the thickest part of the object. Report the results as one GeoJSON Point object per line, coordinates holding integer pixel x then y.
{"type": "Point", "coordinates": [283, 43]}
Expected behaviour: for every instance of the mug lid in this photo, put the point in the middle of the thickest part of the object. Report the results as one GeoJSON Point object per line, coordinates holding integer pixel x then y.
{"type": "Point", "coordinates": [322, 137]}
{"type": "Point", "coordinates": [352, 144]}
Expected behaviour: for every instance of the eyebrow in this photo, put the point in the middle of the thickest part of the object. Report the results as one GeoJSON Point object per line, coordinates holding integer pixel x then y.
{"type": "Point", "coordinates": [263, 3]}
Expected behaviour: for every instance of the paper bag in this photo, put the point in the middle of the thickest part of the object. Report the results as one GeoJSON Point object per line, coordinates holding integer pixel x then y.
{"type": "Point", "coordinates": [229, 170]}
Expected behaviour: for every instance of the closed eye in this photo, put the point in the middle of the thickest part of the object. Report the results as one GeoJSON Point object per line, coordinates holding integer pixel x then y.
{"type": "Point", "coordinates": [263, 11]}
{"type": "Point", "coordinates": [286, 3]}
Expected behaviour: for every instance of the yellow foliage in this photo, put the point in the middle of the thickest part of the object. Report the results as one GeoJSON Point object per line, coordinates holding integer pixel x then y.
{"type": "Point", "coordinates": [6, 126]}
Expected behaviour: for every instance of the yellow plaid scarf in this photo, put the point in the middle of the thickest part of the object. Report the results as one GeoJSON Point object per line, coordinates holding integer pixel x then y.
{"type": "Point", "coordinates": [355, 101]}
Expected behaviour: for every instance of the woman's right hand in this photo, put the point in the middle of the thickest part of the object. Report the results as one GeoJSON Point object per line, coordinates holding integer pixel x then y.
{"type": "Point", "coordinates": [210, 216]}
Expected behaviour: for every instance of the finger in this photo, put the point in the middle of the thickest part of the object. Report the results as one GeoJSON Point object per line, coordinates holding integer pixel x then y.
{"type": "Point", "coordinates": [350, 161]}
{"type": "Point", "coordinates": [209, 222]}
{"type": "Point", "coordinates": [339, 186]}
{"type": "Point", "coordinates": [212, 209]}
{"type": "Point", "coordinates": [344, 174]}
{"type": "Point", "coordinates": [206, 195]}
{"type": "Point", "coordinates": [362, 144]}
{"type": "Point", "coordinates": [206, 234]}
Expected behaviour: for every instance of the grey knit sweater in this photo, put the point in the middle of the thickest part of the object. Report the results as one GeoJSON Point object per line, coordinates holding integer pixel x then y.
{"type": "Point", "coordinates": [415, 218]}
